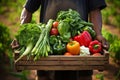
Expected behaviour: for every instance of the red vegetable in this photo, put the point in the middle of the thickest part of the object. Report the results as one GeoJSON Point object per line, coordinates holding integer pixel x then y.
{"type": "Point", "coordinates": [97, 54]}
{"type": "Point", "coordinates": [95, 46]}
{"type": "Point", "coordinates": [55, 24]}
{"type": "Point", "coordinates": [54, 31]}
{"type": "Point", "coordinates": [84, 38]}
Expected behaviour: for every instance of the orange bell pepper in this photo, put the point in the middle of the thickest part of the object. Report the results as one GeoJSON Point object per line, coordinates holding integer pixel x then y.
{"type": "Point", "coordinates": [73, 47]}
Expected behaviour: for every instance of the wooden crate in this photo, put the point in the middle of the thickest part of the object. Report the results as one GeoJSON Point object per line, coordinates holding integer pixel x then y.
{"type": "Point", "coordinates": [61, 62]}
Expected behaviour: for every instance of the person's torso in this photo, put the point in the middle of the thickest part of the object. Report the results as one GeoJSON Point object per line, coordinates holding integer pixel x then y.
{"type": "Point", "coordinates": [50, 8]}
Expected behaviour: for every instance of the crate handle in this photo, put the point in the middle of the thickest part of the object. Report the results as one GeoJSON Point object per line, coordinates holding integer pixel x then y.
{"type": "Point", "coordinates": [106, 52]}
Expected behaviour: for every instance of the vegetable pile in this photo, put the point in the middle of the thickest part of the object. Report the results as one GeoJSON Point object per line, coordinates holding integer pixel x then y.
{"type": "Point", "coordinates": [67, 34]}
{"type": "Point", "coordinates": [27, 36]}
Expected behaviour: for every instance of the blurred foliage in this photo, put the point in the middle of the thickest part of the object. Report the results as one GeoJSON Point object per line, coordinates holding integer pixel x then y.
{"type": "Point", "coordinates": [22, 75]}
{"type": "Point", "coordinates": [5, 51]}
{"type": "Point", "coordinates": [11, 10]}
{"type": "Point", "coordinates": [118, 76]}
{"type": "Point", "coordinates": [4, 38]}
{"type": "Point", "coordinates": [100, 76]}
{"type": "Point", "coordinates": [7, 5]}
{"type": "Point", "coordinates": [114, 42]}
{"type": "Point", "coordinates": [8, 8]}
{"type": "Point", "coordinates": [4, 2]}
{"type": "Point", "coordinates": [111, 14]}
{"type": "Point", "coordinates": [5, 41]}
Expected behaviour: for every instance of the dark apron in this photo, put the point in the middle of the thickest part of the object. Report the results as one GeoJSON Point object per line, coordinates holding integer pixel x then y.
{"type": "Point", "coordinates": [50, 8]}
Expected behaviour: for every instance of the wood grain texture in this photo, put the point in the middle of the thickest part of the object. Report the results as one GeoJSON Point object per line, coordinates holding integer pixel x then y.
{"type": "Point", "coordinates": [61, 62]}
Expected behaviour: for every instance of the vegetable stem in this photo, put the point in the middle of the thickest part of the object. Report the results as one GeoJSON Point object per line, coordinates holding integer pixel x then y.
{"type": "Point", "coordinates": [42, 47]}
{"type": "Point", "coordinates": [26, 52]}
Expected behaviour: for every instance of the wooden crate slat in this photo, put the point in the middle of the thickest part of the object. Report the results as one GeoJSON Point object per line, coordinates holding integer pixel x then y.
{"type": "Point", "coordinates": [60, 67]}
{"type": "Point", "coordinates": [67, 58]}
{"type": "Point", "coordinates": [61, 62]}
{"type": "Point", "coordinates": [45, 63]}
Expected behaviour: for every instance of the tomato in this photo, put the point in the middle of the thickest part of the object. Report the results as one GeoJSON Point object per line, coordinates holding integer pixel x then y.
{"type": "Point", "coordinates": [97, 54]}
{"type": "Point", "coordinates": [68, 54]}
{"type": "Point", "coordinates": [55, 24]}
{"type": "Point", "coordinates": [54, 31]}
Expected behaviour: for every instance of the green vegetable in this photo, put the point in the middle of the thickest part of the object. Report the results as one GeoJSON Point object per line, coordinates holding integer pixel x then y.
{"type": "Point", "coordinates": [59, 48]}
{"type": "Point", "coordinates": [66, 37]}
{"type": "Point", "coordinates": [53, 39]}
{"type": "Point", "coordinates": [86, 23]}
{"type": "Point", "coordinates": [70, 14]}
{"type": "Point", "coordinates": [73, 19]}
{"type": "Point", "coordinates": [90, 30]}
{"type": "Point", "coordinates": [27, 37]}
{"type": "Point", "coordinates": [26, 52]}
{"type": "Point", "coordinates": [42, 47]}
{"type": "Point", "coordinates": [63, 27]}
{"type": "Point", "coordinates": [28, 33]}
{"type": "Point", "coordinates": [64, 30]}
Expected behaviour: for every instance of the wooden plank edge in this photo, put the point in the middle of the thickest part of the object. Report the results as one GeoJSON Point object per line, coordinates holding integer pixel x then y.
{"type": "Point", "coordinates": [47, 63]}
{"type": "Point", "coordinates": [60, 68]}
{"type": "Point", "coordinates": [68, 58]}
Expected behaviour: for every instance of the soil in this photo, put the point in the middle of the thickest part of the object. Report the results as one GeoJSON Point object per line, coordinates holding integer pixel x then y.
{"type": "Point", "coordinates": [109, 74]}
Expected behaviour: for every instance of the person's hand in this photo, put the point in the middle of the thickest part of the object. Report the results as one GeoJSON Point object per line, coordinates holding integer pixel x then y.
{"type": "Point", "coordinates": [14, 44]}
{"type": "Point", "coordinates": [26, 16]}
{"type": "Point", "coordinates": [104, 42]}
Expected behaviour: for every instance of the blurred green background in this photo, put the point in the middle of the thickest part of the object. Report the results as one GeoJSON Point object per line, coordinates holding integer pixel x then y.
{"type": "Point", "coordinates": [10, 11]}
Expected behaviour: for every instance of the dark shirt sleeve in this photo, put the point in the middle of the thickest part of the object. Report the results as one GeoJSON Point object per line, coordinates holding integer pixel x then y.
{"type": "Point", "coordinates": [32, 5]}
{"type": "Point", "coordinates": [95, 4]}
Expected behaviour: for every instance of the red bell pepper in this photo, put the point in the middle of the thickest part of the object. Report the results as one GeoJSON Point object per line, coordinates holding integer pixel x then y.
{"type": "Point", "coordinates": [84, 38]}
{"type": "Point", "coordinates": [95, 46]}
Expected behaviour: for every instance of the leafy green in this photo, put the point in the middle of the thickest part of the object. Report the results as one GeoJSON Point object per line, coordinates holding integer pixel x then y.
{"type": "Point", "coordinates": [73, 19]}
{"type": "Point", "coordinates": [27, 37]}
{"type": "Point", "coordinates": [71, 14]}
{"type": "Point", "coordinates": [35, 39]}
{"type": "Point", "coordinates": [28, 33]}
{"type": "Point", "coordinates": [64, 30]}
